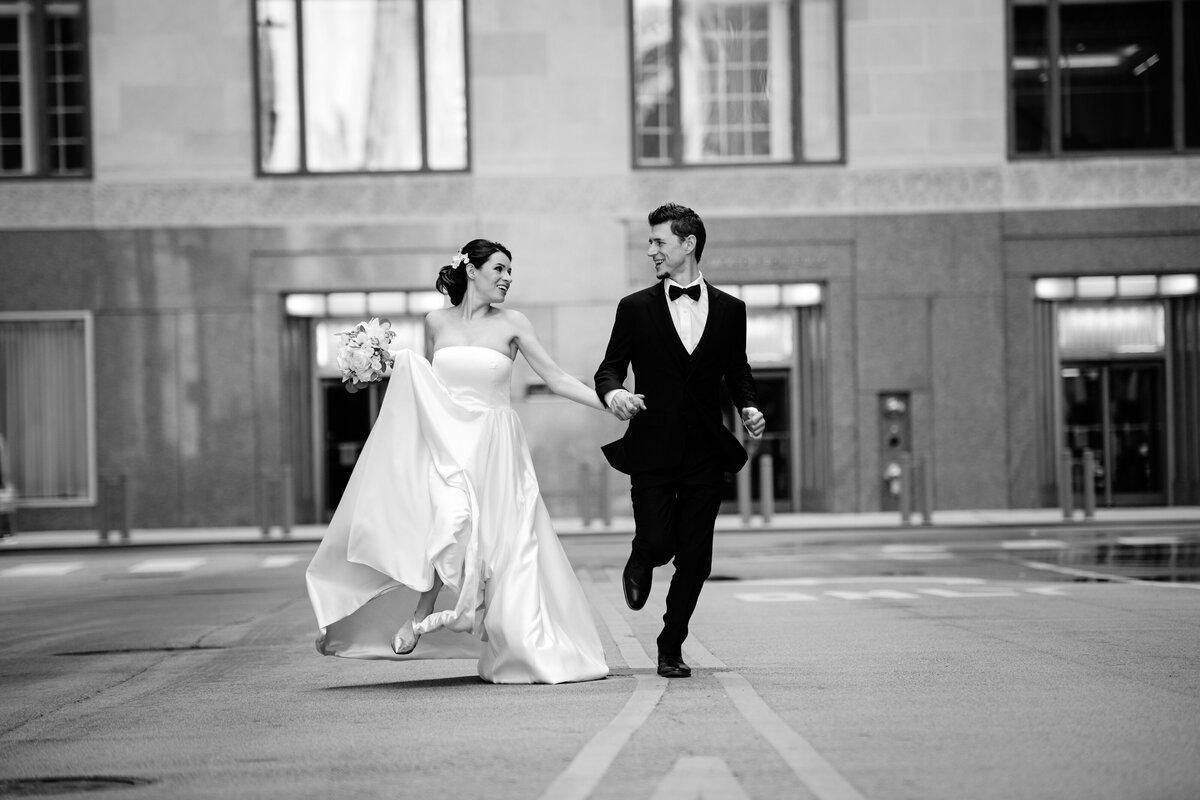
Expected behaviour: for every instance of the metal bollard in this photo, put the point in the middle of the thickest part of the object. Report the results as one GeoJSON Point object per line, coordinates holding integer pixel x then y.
{"type": "Point", "coordinates": [585, 493]}
{"type": "Point", "coordinates": [766, 486]}
{"type": "Point", "coordinates": [906, 488]}
{"type": "Point", "coordinates": [1089, 484]}
{"type": "Point", "coordinates": [123, 493]}
{"type": "Point", "coordinates": [266, 494]}
{"type": "Point", "coordinates": [112, 510]}
{"type": "Point", "coordinates": [743, 493]}
{"type": "Point", "coordinates": [926, 495]}
{"type": "Point", "coordinates": [605, 499]}
{"type": "Point", "coordinates": [287, 498]}
{"type": "Point", "coordinates": [1066, 484]}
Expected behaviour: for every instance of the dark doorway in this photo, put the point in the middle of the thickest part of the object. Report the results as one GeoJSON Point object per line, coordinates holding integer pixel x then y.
{"type": "Point", "coordinates": [1117, 410]}
{"type": "Point", "coordinates": [348, 419]}
{"type": "Point", "coordinates": [774, 401]}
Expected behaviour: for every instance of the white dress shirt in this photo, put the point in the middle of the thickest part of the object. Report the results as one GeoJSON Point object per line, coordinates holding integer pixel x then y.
{"type": "Point", "coordinates": [688, 315]}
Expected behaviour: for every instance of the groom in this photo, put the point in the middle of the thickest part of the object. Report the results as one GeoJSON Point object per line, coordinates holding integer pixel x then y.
{"type": "Point", "coordinates": [682, 336]}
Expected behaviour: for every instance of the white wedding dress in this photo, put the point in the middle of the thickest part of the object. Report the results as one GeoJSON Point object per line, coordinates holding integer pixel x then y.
{"type": "Point", "coordinates": [445, 483]}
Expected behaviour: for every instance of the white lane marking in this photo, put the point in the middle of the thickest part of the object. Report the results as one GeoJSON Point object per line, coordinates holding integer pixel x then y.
{"type": "Point", "coordinates": [274, 562]}
{"type": "Point", "coordinates": [155, 565]}
{"type": "Point", "coordinates": [1033, 544]}
{"type": "Point", "coordinates": [1146, 541]}
{"type": "Point", "coordinates": [583, 774]}
{"type": "Point", "coordinates": [861, 579]}
{"type": "Point", "coordinates": [631, 649]}
{"type": "Point", "coordinates": [1051, 591]}
{"type": "Point", "coordinates": [916, 552]}
{"type": "Point", "coordinates": [954, 593]}
{"type": "Point", "coordinates": [700, 778]}
{"type": "Point", "coordinates": [825, 782]}
{"type": "Point", "coordinates": [774, 597]}
{"type": "Point", "coordinates": [1104, 576]}
{"type": "Point", "coordinates": [42, 569]}
{"type": "Point", "coordinates": [874, 594]}
{"type": "Point", "coordinates": [699, 656]}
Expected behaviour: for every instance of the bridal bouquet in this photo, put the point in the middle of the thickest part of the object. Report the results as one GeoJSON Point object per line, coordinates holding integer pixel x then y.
{"type": "Point", "coordinates": [364, 353]}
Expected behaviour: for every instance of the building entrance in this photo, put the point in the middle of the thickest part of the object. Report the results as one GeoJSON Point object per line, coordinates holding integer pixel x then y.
{"type": "Point", "coordinates": [347, 420]}
{"type": "Point", "coordinates": [1118, 410]}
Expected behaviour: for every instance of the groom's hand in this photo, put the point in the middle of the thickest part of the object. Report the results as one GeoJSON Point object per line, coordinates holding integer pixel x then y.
{"type": "Point", "coordinates": [754, 421]}
{"type": "Point", "coordinates": [624, 405]}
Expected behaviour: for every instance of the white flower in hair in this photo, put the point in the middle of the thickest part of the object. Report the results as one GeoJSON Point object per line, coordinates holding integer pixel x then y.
{"type": "Point", "coordinates": [460, 259]}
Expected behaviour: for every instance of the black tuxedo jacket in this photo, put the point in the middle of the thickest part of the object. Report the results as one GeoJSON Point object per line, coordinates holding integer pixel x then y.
{"type": "Point", "coordinates": [679, 388]}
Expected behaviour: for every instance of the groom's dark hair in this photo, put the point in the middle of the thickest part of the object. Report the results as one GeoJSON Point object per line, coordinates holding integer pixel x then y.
{"type": "Point", "coordinates": [684, 223]}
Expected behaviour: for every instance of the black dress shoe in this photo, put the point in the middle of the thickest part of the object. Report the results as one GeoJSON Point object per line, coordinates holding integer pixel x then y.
{"type": "Point", "coordinates": [635, 580]}
{"type": "Point", "coordinates": [673, 667]}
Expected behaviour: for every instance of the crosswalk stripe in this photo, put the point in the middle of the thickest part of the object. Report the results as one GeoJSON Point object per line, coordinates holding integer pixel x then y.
{"type": "Point", "coordinates": [700, 778]}
{"type": "Point", "coordinates": [44, 569]}
{"type": "Point", "coordinates": [154, 565]}
{"type": "Point", "coordinates": [274, 562]}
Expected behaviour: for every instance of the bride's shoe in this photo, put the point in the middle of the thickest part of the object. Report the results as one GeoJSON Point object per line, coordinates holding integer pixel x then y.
{"type": "Point", "coordinates": [405, 640]}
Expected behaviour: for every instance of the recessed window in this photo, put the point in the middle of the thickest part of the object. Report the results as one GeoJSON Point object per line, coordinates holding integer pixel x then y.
{"type": "Point", "coordinates": [1104, 76]}
{"type": "Point", "coordinates": [736, 81]}
{"type": "Point", "coordinates": [46, 411]}
{"type": "Point", "coordinates": [361, 86]}
{"type": "Point", "coordinates": [43, 89]}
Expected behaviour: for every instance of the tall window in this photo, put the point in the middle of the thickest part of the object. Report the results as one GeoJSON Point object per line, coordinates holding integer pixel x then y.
{"type": "Point", "coordinates": [736, 81]}
{"type": "Point", "coordinates": [361, 86]}
{"type": "Point", "coordinates": [46, 406]}
{"type": "Point", "coordinates": [43, 89]}
{"type": "Point", "coordinates": [1104, 76]}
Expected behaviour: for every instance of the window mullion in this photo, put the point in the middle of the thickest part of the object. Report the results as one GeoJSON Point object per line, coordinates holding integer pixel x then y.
{"type": "Point", "coordinates": [422, 100]}
{"type": "Point", "coordinates": [798, 154]}
{"type": "Point", "coordinates": [301, 110]}
{"type": "Point", "coordinates": [39, 144]}
{"type": "Point", "coordinates": [1178, 96]}
{"type": "Point", "coordinates": [677, 90]}
{"type": "Point", "coordinates": [1054, 66]}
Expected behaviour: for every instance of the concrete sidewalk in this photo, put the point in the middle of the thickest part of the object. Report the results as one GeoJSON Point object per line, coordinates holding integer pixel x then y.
{"type": "Point", "coordinates": [810, 525]}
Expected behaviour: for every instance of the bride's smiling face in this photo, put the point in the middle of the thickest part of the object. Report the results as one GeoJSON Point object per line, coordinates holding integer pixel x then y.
{"type": "Point", "coordinates": [493, 278]}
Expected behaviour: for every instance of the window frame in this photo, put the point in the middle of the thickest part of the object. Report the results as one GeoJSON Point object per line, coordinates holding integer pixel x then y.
{"type": "Point", "coordinates": [1054, 101]}
{"type": "Point", "coordinates": [794, 53]}
{"type": "Point", "coordinates": [303, 171]}
{"type": "Point", "coordinates": [89, 378]}
{"type": "Point", "coordinates": [38, 103]}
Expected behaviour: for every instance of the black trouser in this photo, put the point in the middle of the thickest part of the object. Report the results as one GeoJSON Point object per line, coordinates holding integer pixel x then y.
{"type": "Point", "coordinates": [674, 513]}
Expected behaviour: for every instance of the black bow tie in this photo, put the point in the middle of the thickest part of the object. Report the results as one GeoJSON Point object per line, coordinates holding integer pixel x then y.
{"type": "Point", "coordinates": [692, 291]}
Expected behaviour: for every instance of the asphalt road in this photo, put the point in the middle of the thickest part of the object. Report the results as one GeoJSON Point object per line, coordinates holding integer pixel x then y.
{"type": "Point", "coordinates": [1003, 665]}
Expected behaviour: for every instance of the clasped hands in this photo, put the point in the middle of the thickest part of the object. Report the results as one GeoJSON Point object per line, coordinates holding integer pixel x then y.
{"type": "Point", "coordinates": [624, 404]}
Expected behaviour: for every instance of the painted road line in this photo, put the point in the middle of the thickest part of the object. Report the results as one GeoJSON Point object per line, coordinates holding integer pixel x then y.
{"type": "Point", "coordinates": [1146, 541]}
{"type": "Point", "coordinates": [817, 774]}
{"type": "Point", "coordinates": [955, 593]}
{"type": "Point", "coordinates": [631, 649]}
{"type": "Point", "coordinates": [873, 594]}
{"type": "Point", "coordinates": [48, 569]}
{"type": "Point", "coordinates": [583, 774]}
{"type": "Point", "coordinates": [916, 552]}
{"type": "Point", "coordinates": [275, 562]}
{"type": "Point", "coordinates": [871, 579]}
{"type": "Point", "coordinates": [700, 778]}
{"type": "Point", "coordinates": [1104, 576]}
{"type": "Point", "coordinates": [1033, 544]}
{"type": "Point", "coordinates": [774, 597]}
{"type": "Point", "coordinates": [157, 565]}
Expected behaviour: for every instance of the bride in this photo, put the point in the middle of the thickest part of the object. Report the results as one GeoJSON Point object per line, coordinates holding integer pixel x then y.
{"type": "Point", "coordinates": [441, 546]}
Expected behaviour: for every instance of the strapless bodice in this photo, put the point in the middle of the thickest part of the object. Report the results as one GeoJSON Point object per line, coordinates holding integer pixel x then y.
{"type": "Point", "coordinates": [476, 377]}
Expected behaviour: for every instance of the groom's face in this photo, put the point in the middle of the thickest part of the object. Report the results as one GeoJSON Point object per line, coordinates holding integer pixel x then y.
{"type": "Point", "coordinates": [668, 252]}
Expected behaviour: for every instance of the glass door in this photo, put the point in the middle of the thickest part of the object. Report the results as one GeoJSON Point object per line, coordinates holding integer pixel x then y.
{"type": "Point", "coordinates": [1116, 409]}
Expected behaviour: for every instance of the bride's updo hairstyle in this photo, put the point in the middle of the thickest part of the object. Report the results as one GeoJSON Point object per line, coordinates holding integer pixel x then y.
{"type": "Point", "coordinates": [452, 280]}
